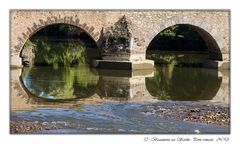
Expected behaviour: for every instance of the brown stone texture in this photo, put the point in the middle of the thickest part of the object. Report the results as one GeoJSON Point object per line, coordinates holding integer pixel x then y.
{"type": "Point", "coordinates": [116, 41]}
{"type": "Point", "coordinates": [214, 25]}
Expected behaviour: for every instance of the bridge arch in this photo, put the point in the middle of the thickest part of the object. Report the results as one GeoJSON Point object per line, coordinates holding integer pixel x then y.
{"type": "Point", "coordinates": [41, 24]}
{"type": "Point", "coordinates": [36, 28]}
{"type": "Point", "coordinates": [205, 32]}
{"type": "Point", "coordinates": [144, 26]}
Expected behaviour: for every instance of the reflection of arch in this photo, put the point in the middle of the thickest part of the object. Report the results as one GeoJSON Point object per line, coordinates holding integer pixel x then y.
{"type": "Point", "coordinates": [33, 99]}
{"type": "Point", "coordinates": [130, 86]}
{"type": "Point", "coordinates": [80, 91]}
{"type": "Point", "coordinates": [26, 100]}
{"type": "Point", "coordinates": [184, 84]}
{"type": "Point", "coordinates": [204, 86]}
{"type": "Point", "coordinates": [89, 30]}
{"type": "Point", "coordinates": [205, 33]}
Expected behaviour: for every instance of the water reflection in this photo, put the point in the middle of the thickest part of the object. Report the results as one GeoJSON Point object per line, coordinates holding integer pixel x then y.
{"type": "Point", "coordinates": [82, 82]}
{"type": "Point", "coordinates": [122, 85]}
{"type": "Point", "coordinates": [115, 89]}
{"type": "Point", "coordinates": [184, 84]}
{"type": "Point", "coordinates": [60, 83]}
{"type": "Point", "coordinates": [164, 83]}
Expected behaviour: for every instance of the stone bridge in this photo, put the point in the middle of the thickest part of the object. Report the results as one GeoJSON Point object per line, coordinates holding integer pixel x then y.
{"type": "Point", "coordinates": [135, 28]}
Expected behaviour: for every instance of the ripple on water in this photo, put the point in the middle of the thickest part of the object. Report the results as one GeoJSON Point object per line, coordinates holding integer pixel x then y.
{"type": "Point", "coordinates": [113, 118]}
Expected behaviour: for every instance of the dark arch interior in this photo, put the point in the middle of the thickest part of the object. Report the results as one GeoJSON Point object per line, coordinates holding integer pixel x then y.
{"type": "Point", "coordinates": [59, 44]}
{"type": "Point", "coordinates": [178, 52]}
{"type": "Point", "coordinates": [178, 38]}
{"type": "Point", "coordinates": [184, 84]}
{"type": "Point", "coordinates": [53, 55]}
{"type": "Point", "coordinates": [183, 44]}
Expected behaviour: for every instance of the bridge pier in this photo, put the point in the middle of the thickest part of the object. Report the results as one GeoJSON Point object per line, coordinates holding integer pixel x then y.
{"type": "Point", "coordinates": [117, 48]}
{"type": "Point", "coordinates": [123, 36]}
{"type": "Point", "coordinates": [124, 85]}
{"type": "Point", "coordinates": [222, 65]}
{"type": "Point", "coordinates": [124, 65]}
{"type": "Point", "coordinates": [16, 61]}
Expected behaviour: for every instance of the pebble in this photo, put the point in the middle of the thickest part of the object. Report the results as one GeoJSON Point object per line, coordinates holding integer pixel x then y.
{"type": "Point", "coordinates": [201, 113]}
{"type": "Point", "coordinates": [197, 131]}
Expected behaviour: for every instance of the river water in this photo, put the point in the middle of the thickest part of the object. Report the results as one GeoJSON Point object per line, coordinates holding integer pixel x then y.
{"type": "Point", "coordinates": [84, 100]}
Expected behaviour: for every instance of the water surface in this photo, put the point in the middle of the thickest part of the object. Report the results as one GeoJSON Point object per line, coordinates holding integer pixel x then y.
{"type": "Point", "coordinates": [162, 83]}
{"type": "Point", "coordinates": [80, 100]}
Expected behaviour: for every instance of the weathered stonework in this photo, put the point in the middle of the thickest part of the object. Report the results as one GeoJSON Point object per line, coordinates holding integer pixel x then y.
{"type": "Point", "coordinates": [213, 25]}
{"type": "Point", "coordinates": [116, 41]}
{"type": "Point", "coordinates": [27, 54]}
{"type": "Point", "coordinates": [130, 87]}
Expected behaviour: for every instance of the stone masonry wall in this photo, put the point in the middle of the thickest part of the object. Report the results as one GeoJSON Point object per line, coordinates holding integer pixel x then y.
{"type": "Point", "coordinates": [145, 25]}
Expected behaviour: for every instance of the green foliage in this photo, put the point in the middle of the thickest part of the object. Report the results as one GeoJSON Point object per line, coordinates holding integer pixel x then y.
{"type": "Point", "coordinates": [159, 85]}
{"type": "Point", "coordinates": [159, 57]}
{"type": "Point", "coordinates": [68, 29]}
{"type": "Point", "coordinates": [59, 45]}
{"type": "Point", "coordinates": [181, 37]}
{"type": "Point", "coordinates": [59, 30]}
{"type": "Point", "coordinates": [60, 53]}
{"type": "Point", "coordinates": [183, 31]}
{"type": "Point", "coordinates": [169, 32]}
{"type": "Point", "coordinates": [62, 45]}
{"type": "Point", "coordinates": [176, 58]}
{"type": "Point", "coordinates": [168, 58]}
{"type": "Point", "coordinates": [29, 44]}
{"type": "Point", "coordinates": [60, 83]}
{"type": "Point", "coordinates": [184, 84]}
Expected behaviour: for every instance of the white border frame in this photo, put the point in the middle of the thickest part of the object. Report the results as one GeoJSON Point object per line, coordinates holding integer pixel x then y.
{"type": "Point", "coordinates": [5, 6]}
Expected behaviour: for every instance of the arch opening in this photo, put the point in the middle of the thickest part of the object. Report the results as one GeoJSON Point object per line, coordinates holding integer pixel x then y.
{"type": "Point", "coordinates": [179, 53]}
{"type": "Point", "coordinates": [183, 44]}
{"type": "Point", "coordinates": [56, 59]}
{"type": "Point", "coordinates": [59, 45]}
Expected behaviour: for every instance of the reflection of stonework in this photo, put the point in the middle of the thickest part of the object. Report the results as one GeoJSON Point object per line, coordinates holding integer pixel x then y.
{"type": "Point", "coordinates": [22, 99]}
{"type": "Point", "coordinates": [129, 86]}
{"type": "Point", "coordinates": [18, 95]}
{"type": "Point", "coordinates": [139, 90]}
{"type": "Point", "coordinates": [224, 91]}
{"type": "Point", "coordinates": [113, 88]}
